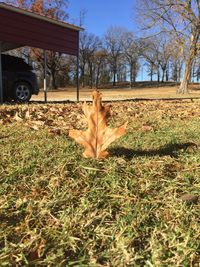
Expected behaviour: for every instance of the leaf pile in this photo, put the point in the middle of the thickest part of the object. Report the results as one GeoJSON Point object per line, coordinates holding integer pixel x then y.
{"type": "Point", "coordinates": [69, 116]}
{"type": "Point", "coordinates": [53, 117]}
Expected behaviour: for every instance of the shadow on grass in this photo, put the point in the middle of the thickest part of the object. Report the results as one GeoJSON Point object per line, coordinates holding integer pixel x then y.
{"type": "Point", "coordinates": [167, 150]}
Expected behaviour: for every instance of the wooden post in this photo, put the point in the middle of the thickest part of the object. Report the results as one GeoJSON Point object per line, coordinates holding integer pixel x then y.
{"type": "Point", "coordinates": [45, 77]}
{"type": "Point", "coordinates": [1, 77]}
{"type": "Point", "coordinates": [78, 83]}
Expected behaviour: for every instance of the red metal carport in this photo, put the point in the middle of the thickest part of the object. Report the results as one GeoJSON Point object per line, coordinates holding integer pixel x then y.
{"type": "Point", "coordinates": [19, 27]}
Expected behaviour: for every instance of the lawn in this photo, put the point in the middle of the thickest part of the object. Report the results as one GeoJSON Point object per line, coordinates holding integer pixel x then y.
{"type": "Point", "coordinates": [59, 209]}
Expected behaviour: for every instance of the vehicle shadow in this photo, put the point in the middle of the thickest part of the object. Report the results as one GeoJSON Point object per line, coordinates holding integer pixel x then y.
{"type": "Point", "coordinates": [167, 150]}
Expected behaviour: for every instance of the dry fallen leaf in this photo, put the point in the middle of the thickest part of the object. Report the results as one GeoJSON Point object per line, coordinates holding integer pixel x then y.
{"type": "Point", "coordinates": [98, 136]}
{"type": "Point", "coordinates": [189, 198]}
{"type": "Point", "coordinates": [17, 117]}
{"type": "Point", "coordinates": [54, 131]}
{"type": "Point", "coordinates": [147, 128]}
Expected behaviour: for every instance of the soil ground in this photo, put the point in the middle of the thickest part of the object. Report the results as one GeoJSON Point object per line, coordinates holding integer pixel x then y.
{"type": "Point", "coordinates": [140, 91]}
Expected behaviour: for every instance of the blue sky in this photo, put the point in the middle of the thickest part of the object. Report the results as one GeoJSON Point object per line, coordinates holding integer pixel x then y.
{"type": "Point", "coordinates": [100, 15]}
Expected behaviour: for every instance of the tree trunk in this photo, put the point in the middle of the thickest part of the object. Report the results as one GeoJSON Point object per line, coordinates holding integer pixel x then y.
{"type": "Point", "coordinates": [163, 75]}
{"type": "Point", "coordinates": [114, 77]}
{"type": "Point", "coordinates": [124, 74]}
{"type": "Point", "coordinates": [134, 75]}
{"type": "Point", "coordinates": [91, 75]}
{"type": "Point", "coordinates": [53, 75]}
{"type": "Point", "coordinates": [97, 77]}
{"type": "Point", "coordinates": [151, 74]}
{"type": "Point", "coordinates": [193, 71]}
{"type": "Point", "coordinates": [83, 77]}
{"type": "Point", "coordinates": [158, 79]}
{"type": "Point", "coordinates": [118, 76]}
{"type": "Point", "coordinates": [175, 72]}
{"type": "Point", "coordinates": [183, 89]}
{"type": "Point", "coordinates": [167, 74]}
{"type": "Point", "coordinates": [131, 75]}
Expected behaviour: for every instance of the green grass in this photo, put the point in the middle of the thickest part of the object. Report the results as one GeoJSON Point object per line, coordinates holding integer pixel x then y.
{"type": "Point", "coordinates": [59, 209]}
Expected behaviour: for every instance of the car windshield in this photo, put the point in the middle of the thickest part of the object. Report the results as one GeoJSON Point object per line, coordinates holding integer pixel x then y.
{"type": "Point", "coordinates": [11, 63]}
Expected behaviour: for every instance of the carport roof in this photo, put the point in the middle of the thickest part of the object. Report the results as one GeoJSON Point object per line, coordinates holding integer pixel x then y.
{"type": "Point", "coordinates": [41, 17]}
{"type": "Point", "coordinates": [19, 27]}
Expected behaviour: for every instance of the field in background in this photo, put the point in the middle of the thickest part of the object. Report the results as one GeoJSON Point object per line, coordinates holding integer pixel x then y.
{"type": "Point", "coordinates": [141, 90]}
{"type": "Point", "coordinates": [58, 209]}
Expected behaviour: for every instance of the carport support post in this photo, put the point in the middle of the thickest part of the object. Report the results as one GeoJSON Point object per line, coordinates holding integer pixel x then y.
{"type": "Point", "coordinates": [1, 77]}
{"type": "Point", "coordinates": [78, 84]}
{"type": "Point", "coordinates": [45, 76]}
{"type": "Point", "coordinates": [77, 77]}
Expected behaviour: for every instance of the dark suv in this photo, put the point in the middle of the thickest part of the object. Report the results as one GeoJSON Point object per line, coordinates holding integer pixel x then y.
{"type": "Point", "coordinates": [19, 81]}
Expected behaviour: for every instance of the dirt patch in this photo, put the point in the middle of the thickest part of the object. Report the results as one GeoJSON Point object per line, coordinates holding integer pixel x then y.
{"type": "Point", "coordinates": [120, 93]}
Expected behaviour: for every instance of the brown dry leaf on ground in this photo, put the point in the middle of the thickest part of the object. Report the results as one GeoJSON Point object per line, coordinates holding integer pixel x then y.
{"type": "Point", "coordinates": [38, 117]}
{"type": "Point", "coordinates": [147, 128]}
{"type": "Point", "coordinates": [98, 136]}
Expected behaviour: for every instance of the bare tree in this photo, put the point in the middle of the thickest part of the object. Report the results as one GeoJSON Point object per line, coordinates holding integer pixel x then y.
{"type": "Point", "coordinates": [165, 53]}
{"type": "Point", "coordinates": [89, 44]}
{"type": "Point", "coordinates": [152, 56]}
{"type": "Point", "coordinates": [131, 51]}
{"type": "Point", "coordinates": [113, 45]}
{"type": "Point", "coordinates": [177, 60]}
{"type": "Point", "coordinates": [99, 62]}
{"type": "Point", "coordinates": [180, 18]}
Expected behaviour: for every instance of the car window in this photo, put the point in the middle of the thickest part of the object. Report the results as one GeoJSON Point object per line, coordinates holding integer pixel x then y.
{"type": "Point", "coordinates": [10, 63]}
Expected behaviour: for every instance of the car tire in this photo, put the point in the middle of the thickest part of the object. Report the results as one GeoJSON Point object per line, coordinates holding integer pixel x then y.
{"type": "Point", "coordinates": [22, 92]}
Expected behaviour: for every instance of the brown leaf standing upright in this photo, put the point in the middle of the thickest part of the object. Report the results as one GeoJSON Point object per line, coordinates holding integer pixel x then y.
{"type": "Point", "coordinates": [98, 136]}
